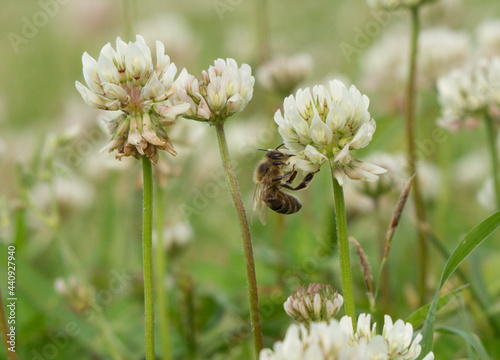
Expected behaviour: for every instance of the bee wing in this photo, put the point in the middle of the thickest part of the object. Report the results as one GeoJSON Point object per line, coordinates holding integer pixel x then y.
{"type": "Point", "coordinates": [258, 203]}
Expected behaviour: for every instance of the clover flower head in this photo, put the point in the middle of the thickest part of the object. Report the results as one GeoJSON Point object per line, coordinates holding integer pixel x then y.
{"type": "Point", "coordinates": [126, 80]}
{"type": "Point", "coordinates": [283, 73]}
{"type": "Point", "coordinates": [325, 124]}
{"type": "Point", "coordinates": [337, 340]}
{"type": "Point", "coordinates": [316, 302]}
{"type": "Point", "coordinates": [221, 91]}
{"type": "Point", "coordinates": [468, 92]}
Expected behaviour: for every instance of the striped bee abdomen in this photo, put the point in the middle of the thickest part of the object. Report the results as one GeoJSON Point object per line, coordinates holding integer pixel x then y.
{"type": "Point", "coordinates": [283, 203]}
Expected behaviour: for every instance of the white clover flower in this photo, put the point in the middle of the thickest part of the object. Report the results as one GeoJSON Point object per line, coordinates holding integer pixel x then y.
{"type": "Point", "coordinates": [317, 302]}
{"type": "Point", "coordinates": [468, 92]}
{"type": "Point", "coordinates": [337, 340]}
{"type": "Point", "coordinates": [282, 74]}
{"type": "Point", "coordinates": [326, 124]}
{"type": "Point", "coordinates": [126, 80]}
{"type": "Point", "coordinates": [440, 49]}
{"type": "Point", "coordinates": [221, 91]}
{"type": "Point", "coordinates": [395, 4]}
{"type": "Point", "coordinates": [488, 37]}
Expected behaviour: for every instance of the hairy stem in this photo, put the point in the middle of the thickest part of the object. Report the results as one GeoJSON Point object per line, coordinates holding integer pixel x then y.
{"type": "Point", "coordinates": [245, 235]}
{"type": "Point", "coordinates": [345, 261]}
{"type": "Point", "coordinates": [412, 154]}
{"type": "Point", "coordinates": [161, 269]}
{"type": "Point", "coordinates": [147, 245]}
{"type": "Point", "coordinates": [490, 133]}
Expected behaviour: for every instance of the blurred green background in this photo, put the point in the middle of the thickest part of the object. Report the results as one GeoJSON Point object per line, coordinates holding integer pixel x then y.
{"type": "Point", "coordinates": [74, 213]}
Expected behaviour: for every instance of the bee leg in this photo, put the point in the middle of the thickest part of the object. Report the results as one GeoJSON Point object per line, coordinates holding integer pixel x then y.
{"type": "Point", "coordinates": [290, 174]}
{"type": "Point", "coordinates": [307, 179]}
{"type": "Point", "coordinates": [293, 175]}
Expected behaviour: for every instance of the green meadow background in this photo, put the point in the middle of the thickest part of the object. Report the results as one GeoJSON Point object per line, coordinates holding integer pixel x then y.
{"type": "Point", "coordinates": [92, 231]}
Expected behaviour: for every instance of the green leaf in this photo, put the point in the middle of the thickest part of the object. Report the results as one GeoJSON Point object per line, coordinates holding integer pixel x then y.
{"type": "Point", "coordinates": [470, 338]}
{"type": "Point", "coordinates": [473, 239]}
{"type": "Point", "coordinates": [418, 317]}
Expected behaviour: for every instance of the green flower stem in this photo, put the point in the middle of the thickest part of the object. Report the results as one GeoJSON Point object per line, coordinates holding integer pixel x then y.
{"type": "Point", "coordinates": [383, 280]}
{"type": "Point", "coordinates": [412, 155]}
{"type": "Point", "coordinates": [245, 235]}
{"type": "Point", "coordinates": [161, 269]}
{"type": "Point", "coordinates": [494, 156]}
{"type": "Point", "coordinates": [147, 245]}
{"type": "Point", "coordinates": [345, 261]}
{"type": "Point", "coordinates": [262, 27]}
{"type": "Point", "coordinates": [4, 330]}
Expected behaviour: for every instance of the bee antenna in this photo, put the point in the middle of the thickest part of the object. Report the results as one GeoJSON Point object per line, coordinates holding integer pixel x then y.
{"type": "Point", "coordinates": [262, 149]}
{"type": "Point", "coordinates": [280, 146]}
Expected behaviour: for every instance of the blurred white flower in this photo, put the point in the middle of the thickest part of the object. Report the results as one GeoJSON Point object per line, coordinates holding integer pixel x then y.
{"type": "Point", "coordinates": [176, 236]}
{"type": "Point", "coordinates": [221, 91]}
{"type": "Point", "coordinates": [439, 50]}
{"type": "Point", "coordinates": [326, 124]}
{"type": "Point", "coordinates": [282, 74]}
{"type": "Point", "coordinates": [252, 132]}
{"type": "Point", "coordinates": [316, 302]}
{"type": "Point", "coordinates": [486, 195]}
{"type": "Point", "coordinates": [175, 32]}
{"type": "Point", "coordinates": [338, 340]}
{"type": "Point", "coordinates": [125, 79]}
{"type": "Point", "coordinates": [98, 166]}
{"type": "Point", "coordinates": [472, 168]}
{"type": "Point", "coordinates": [429, 177]}
{"type": "Point", "coordinates": [67, 193]}
{"type": "Point", "coordinates": [468, 92]}
{"type": "Point", "coordinates": [488, 37]}
{"type": "Point", "coordinates": [355, 201]}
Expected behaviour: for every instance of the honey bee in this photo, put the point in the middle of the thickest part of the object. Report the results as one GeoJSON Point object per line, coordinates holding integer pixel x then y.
{"type": "Point", "coordinates": [270, 178]}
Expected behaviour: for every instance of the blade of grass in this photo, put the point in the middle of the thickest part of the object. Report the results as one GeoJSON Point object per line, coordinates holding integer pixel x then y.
{"type": "Point", "coordinates": [417, 318]}
{"type": "Point", "coordinates": [470, 338]}
{"type": "Point", "coordinates": [473, 239]}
